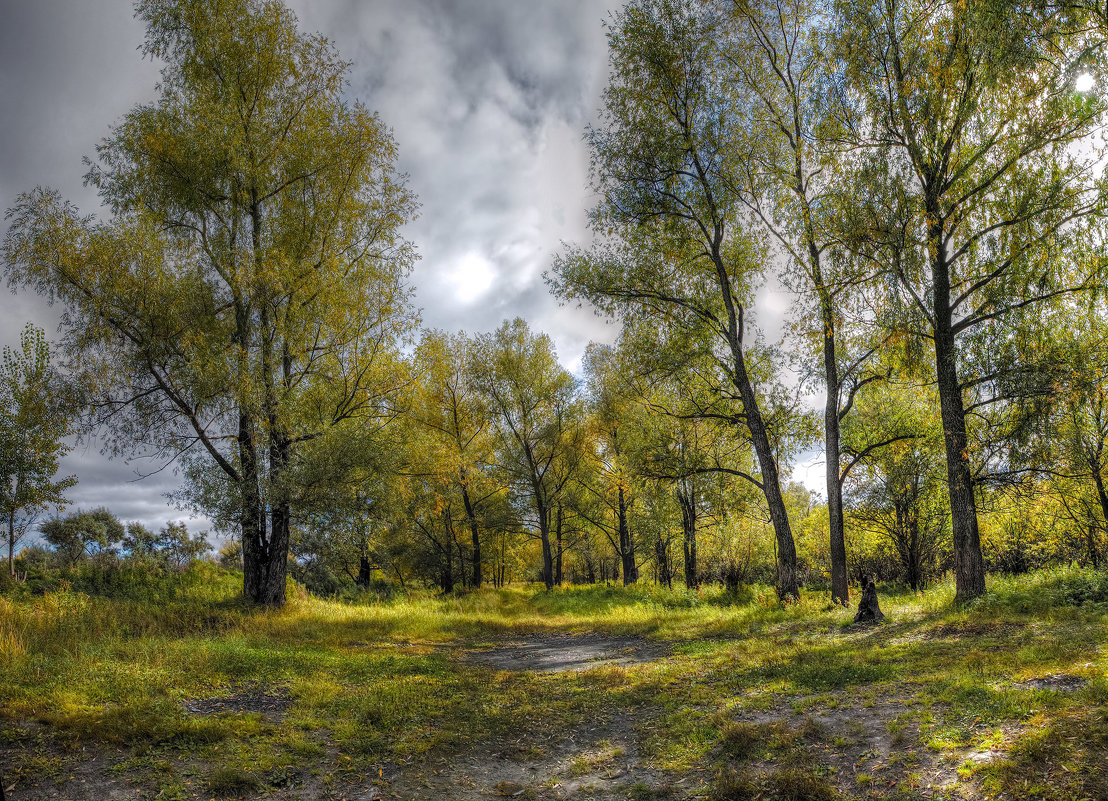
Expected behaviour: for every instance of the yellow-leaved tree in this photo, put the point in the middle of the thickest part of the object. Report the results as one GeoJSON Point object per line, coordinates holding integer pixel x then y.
{"type": "Point", "coordinates": [245, 293]}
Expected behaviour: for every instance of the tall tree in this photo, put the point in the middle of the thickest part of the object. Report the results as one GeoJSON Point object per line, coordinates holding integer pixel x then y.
{"type": "Point", "coordinates": [243, 298]}
{"type": "Point", "coordinates": [612, 413]}
{"type": "Point", "coordinates": [676, 243]}
{"type": "Point", "coordinates": [781, 74]}
{"type": "Point", "coordinates": [450, 407]}
{"type": "Point", "coordinates": [35, 419]}
{"type": "Point", "coordinates": [988, 160]}
{"type": "Point", "coordinates": [538, 421]}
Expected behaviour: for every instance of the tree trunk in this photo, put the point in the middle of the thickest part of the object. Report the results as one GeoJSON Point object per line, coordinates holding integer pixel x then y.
{"type": "Point", "coordinates": [255, 545]}
{"type": "Point", "coordinates": [276, 561]}
{"type": "Point", "coordinates": [11, 543]}
{"type": "Point", "coordinates": [365, 572]}
{"type": "Point", "coordinates": [471, 517]}
{"type": "Point", "coordinates": [626, 545]}
{"type": "Point", "coordinates": [687, 501]}
{"type": "Point", "coordinates": [558, 562]}
{"type": "Point", "coordinates": [840, 591]}
{"type": "Point", "coordinates": [547, 563]}
{"type": "Point", "coordinates": [787, 586]}
{"type": "Point", "coordinates": [969, 565]}
{"type": "Point", "coordinates": [544, 536]}
{"type": "Point", "coordinates": [267, 560]}
{"type": "Point", "coordinates": [448, 570]}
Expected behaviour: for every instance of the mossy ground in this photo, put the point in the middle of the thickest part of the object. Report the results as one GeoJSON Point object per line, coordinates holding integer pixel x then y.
{"type": "Point", "coordinates": [198, 696]}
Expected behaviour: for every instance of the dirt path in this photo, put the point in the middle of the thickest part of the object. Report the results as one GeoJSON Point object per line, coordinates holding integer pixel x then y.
{"type": "Point", "coordinates": [557, 653]}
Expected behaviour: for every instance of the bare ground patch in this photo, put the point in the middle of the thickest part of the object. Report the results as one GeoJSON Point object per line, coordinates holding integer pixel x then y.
{"type": "Point", "coordinates": [556, 653]}
{"type": "Point", "coordinates": [599, 760]}
{"type": "Point", "coordinates": [270, 702]}
{"type": "Point", "coordinates": [862, 746]}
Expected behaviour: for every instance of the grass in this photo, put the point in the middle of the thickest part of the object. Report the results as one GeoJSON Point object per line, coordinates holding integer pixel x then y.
{"type": "Point", "coordinates": [774, 701]}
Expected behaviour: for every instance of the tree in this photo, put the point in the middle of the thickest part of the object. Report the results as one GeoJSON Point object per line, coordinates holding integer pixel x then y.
{"type": "Point", "coordinates": [612, 418]}
{"type": "Point", "coordinates": [83, 534]}
{"type": "Point", "coordinates": [675, 244]}
{"type": "Point", "coordinates": [684, 446]}
{"type": "Point", "coordinates": [452, 411]}
{"type": "Point", "coordinates": [242, 303]}
{"type": "Point", "coordinates": [538, 425]}
{"type": "Point", "coordinates": [35, 418]}
{"type": "Point", "coordinates": [901, 493]}
{"type": "Point", "coordinates": [783, 88]}
{"type": "Point", "coordinates": [1067, 441]}
{"type": "Point", "coordinates": [974, 129]}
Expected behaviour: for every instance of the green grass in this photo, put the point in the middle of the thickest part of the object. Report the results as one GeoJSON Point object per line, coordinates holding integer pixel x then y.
{"type": "Point", "coordinates": [382, 682]}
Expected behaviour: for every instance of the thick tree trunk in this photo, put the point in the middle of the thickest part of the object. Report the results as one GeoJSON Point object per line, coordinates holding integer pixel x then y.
{"type": "Point", "coordinates": [447, 579]}
{"type": "Point", "coordinates": [365, 571]}
{"type": "Point", "coordinates": [626, 545]}
{"type": "Point", "coordinates": [969, 565]}
{"type": "Point", "coordinates": [547, 562]}
{"type": "Point", "coordinates": [255, 544]}
{"type": "Point", "coordinates": [544, 536]}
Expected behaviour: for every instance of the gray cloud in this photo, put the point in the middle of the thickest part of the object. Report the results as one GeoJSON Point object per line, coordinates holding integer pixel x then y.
{"type": "Point", "coordinates": [487, 100]}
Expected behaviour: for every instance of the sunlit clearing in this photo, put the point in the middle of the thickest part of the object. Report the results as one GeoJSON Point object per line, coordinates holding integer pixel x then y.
{"type": "Point", "coordinates": [1084, 82]}
{"type": "Point", "coordinates": [472, 276]}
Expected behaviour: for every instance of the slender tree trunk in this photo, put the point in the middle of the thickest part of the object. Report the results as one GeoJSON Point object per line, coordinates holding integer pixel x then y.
{"type": "Point", "coordinates": [787, 586]}
{"type": "Point", "coordinates": [969, 565]}
{"type": "Point", "coordinates": [840, 590]}
{"type": "Point", "coordinates": [11, 543]}
{"type": "Point", "coordinates": [471, 518]}
{"type": "Point", "coordinates": [686, 499]}
{"type": "Point", "coordinates": [558, 562]}
{"type": "Point", "coordinates": [626, 545]}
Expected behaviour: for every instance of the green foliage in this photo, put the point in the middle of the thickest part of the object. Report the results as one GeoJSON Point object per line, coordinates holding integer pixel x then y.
{"type": "Point", "coordinates": [247, 293]}
{"type": "Point", "coordinates": [83, 534]}
{"type": "Point", "coordinates": [36, 413]}
{"type": "Point", "coordinates": [1046, 590]}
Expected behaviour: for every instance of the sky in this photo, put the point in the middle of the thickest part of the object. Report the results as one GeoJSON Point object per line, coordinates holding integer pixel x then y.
{"type": "Point", "coordinates": [488, 101]}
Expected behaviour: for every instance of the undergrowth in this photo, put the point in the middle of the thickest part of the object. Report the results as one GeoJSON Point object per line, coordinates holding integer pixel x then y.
{"type": "Point", "coordinates": [381, 679]}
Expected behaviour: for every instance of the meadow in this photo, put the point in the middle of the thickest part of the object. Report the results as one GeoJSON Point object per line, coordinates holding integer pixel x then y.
{"type": "Point", "coordinates": [176, 689]}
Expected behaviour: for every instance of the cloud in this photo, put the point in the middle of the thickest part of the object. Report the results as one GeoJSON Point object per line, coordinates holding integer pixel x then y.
{"type": "Point", "coordinates": [487, 101]}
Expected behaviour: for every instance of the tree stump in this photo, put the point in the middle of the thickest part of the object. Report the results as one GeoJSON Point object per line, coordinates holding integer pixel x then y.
{"type": "Point", "coordinates": [869, 611]}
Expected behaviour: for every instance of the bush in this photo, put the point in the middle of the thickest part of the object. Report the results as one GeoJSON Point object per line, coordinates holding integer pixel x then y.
{"type": "Point", "coordinates": [1046, 589]}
